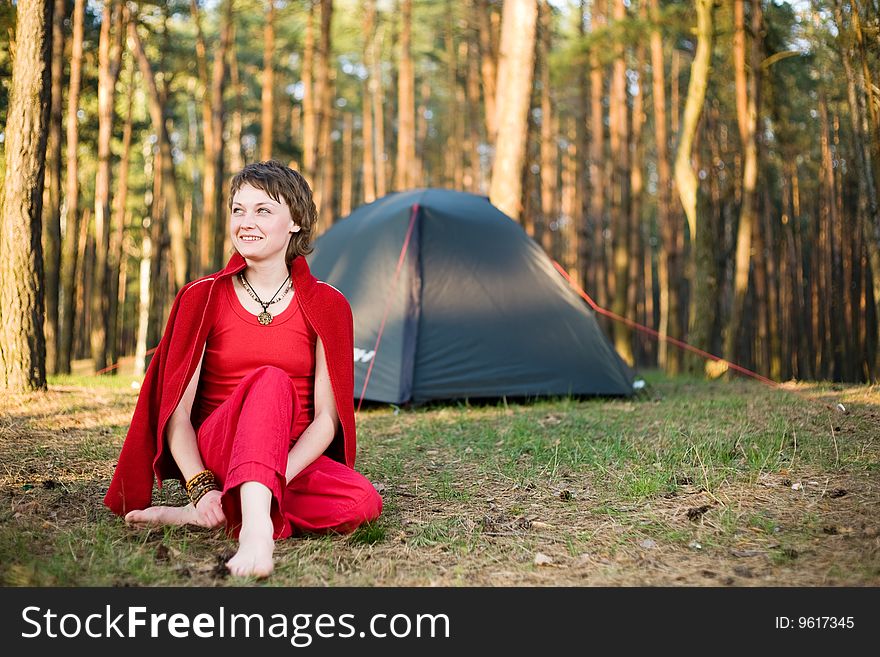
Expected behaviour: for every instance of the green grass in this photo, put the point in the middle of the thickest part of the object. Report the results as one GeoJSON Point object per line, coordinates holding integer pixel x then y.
{"type": "Point", "coordinates": [686, 474]}
{"type": "Point", "coordinates": [764, 523]}
{"type": "Point", "coordinates": [107, 382]}
{"type": "Point", "coordinates": [368, 534]}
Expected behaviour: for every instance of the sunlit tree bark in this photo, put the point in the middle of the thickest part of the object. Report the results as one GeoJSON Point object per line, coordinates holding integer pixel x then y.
{"type": "Point", "coordinates": [109, 66]}
{"type": "Point", "coordinates": [72, 219]}
{"type": "Point", "coordinates": [705, 277]}
{"type": "Point", "coordinates": [514, 95]}
{"type": "Point", "coordinates": [22, 343]}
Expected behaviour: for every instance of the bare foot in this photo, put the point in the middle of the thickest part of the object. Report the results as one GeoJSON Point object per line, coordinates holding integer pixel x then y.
{"type": "Point", "coordinates": [163, 515]}
{"type": "Point", "coordinates": [255, 548]}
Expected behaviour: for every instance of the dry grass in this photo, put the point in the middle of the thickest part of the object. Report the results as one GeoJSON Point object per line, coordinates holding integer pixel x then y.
{"type": "Point", "coordinates": [695, 483]}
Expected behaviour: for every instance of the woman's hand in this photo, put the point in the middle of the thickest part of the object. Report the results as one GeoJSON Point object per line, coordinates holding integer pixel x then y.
{"type": "Point", "coordinates": [209, 512]}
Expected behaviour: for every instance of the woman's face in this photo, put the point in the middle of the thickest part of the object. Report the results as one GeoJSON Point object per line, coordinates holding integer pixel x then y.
{"type": "Point", "coordinates": [260, 226]}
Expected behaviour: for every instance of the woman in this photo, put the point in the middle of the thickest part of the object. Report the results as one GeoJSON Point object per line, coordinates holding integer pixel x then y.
{"type": "Point", "coordinates": [249, 396]}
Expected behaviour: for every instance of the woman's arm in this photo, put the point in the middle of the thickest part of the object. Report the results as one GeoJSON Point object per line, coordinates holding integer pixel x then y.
{"type": "Point", "coordinates": [319, 434]}
{"type": "Point", "coordinates": [180, 433]}
{"type": "Point", "coordinates": [183, 443]}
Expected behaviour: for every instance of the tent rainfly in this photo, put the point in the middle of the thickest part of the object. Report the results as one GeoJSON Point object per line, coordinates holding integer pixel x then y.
{"type": "Point", "coordinates": [468, 305]}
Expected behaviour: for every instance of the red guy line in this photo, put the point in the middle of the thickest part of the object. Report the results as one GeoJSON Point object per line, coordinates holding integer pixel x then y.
{"type": "Point", "coordinates": [677, 343]}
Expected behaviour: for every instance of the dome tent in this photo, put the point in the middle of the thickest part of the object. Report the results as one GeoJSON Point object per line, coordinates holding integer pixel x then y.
{"type": "Point", "coordinates": [469, 306]}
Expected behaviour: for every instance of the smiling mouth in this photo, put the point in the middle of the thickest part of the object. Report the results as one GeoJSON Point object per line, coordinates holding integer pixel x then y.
{"type": "Point", "coordinates": [250, 238]}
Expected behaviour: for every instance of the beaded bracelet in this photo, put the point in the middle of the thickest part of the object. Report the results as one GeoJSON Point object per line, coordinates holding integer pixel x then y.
{"type": "Point", "coordinates": [199, 493]}
{"type": "Point", "coordinates": [202, 477]}
{"type": "Point", "coordinates": [200, 485]}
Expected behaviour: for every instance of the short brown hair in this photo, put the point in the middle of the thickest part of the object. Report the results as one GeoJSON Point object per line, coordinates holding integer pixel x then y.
{"type": "Point", "coordinates": [282, 182]}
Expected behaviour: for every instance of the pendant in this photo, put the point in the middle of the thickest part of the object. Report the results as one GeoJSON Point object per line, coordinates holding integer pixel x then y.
{"type": "Point", "coordinates": [265, 318]}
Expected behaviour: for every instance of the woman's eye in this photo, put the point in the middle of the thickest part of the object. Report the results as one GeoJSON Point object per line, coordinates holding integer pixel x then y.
{"type": "Point", "coordinates": [263, 210]}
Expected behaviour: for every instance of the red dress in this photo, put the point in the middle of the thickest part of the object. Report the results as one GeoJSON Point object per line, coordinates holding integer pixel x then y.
{"type": "Point", "coordinates": [255, 398]}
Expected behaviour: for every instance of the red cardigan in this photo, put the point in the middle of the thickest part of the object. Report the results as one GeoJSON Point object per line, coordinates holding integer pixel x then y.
{"type": "Point", "coordinates": [144, 455]}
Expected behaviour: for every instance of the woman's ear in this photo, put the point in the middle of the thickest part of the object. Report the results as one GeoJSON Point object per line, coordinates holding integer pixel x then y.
{"type": "Point", "coordinates": [296, 228]}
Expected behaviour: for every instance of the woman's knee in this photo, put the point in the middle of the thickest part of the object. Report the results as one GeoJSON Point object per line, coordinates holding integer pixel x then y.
{"type": "Point", "coordinates": [269, 382]}
{"type": "Point", "coordinates": [332, 497]}
{"type": "Point", "coordinates": [371, 506]}
{"type": "Point", "coordinates": [366, 508]}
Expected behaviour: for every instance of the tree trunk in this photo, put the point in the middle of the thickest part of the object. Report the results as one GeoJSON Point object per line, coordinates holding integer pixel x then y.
{"type": "Point", "coordinates": [788, 310]}
{"type": "Point", "coordinates": [857, 324]}
{"type": "Point", "coordinates": [72, 220]}
{"type": "Point", "coordinates": [668, 262]}
{"type": "Point", "coordinates": [868, 206]}
{"type": "Point", "coordinates": [837, 232]}
{"type": "Point", "coordinates": [715, 210]}
{"type": "Point", "coordinates": [158, 234]}
{"type": "Point", "coordinates": [705, 281]}
{"type": "Point", "coordinates": [310, 99]}
{"type": "Point", "coordinates": [378, 101]}
{"type": "Point", "coordinates": [214, 213]}
{"type": "Point", "coordinates": [747, 108]}
{"type": "Point", "coordinates": [568, 223]}
{"type": "Point", "coordinates": [451, 154]}
{"type": "Point", "coordinates": [268, 95]}
{"type": "Point", "coordinates": [236, 161]}
{"type": "Point", "coordinates": [421, 170]}
{"type": "Point", "coordinates": [649, 316]}
{"type": "Point", "coordinates": [872, 92]}
{"type": "Point", "coordinates": [116, 263]}
{"type": "Point", "coordinates": [86, 255]}
{"type": "Point", "coordinates": [530, 199]}
{"type": "Point", "coordinates": [202, 255]}
{"type": "Point", "coordinates": [22, 343]}
{"type": "Point", "coordinates": [473, 178]}
{"type": "Point", "coordinates": [212, 227]}
{"type": "Point", "coordinates": [758, 349]}
{"type": "Point", "coordinates": [347, 162]}
{"type": "Point", "coordinates": [772, 264]}
{"type": "Point", "coordinates": [488, 65]}
{"type": "Point", "coordinates": [109, 65]}
{"type": "Point", "coordinates": [209, 175]}
{"type": "Point", "coordinates": [406, 111]}
{"type": "Point", "coordinates": [681, 282]}
{"type": "Point", "coordinates": [618, 132]}
{"type": "Point", "coordinates": [585, 229]}
{"type": "Point", "coordinates": [143, 314]}
{"type": "Point", "coordinates": [325, 197]}
{"type": "Point", "coordinates": [801, 284]}
{"type": "Point", "coordinates": [514, 96]}
{"type": "Point", "coordinates": [52, 195]}
{"type": "Point", "coordinates": [812, 244]}
{"type": "Point", "coordinates": [391, 108]}
{"type": "Point", "coordinates": [827, 217]}
{"type": "Point", "coordinates": [458, 130]}
{"type": "Point", "coordinates": [295, 134]}
{"type": "Point", "coordinates": [636, 279]}
{"type": "Point", "coordinates": [323, 156]}
{"type": "Point", "coordinates": [549, 149]}
{"type": "Point", "coordinates": [675, 93]}
{"type": "Point", "coordinates": [597, 165]}
{"type": "Point", "coordinates": [369, 152]}
{"type": "Point", "coordinates": [169, 186]}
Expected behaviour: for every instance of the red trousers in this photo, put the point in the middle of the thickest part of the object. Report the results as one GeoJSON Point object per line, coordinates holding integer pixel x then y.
{"type": "Point", "coordinates": [248, 437]}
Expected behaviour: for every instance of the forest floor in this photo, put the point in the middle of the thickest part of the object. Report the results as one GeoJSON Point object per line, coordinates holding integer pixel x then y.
{"type": "Point", "coordinates": [691, 483]}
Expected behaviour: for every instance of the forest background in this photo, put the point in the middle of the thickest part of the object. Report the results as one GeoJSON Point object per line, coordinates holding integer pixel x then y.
{"type": "Point", "coordinates": [707, 169]}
